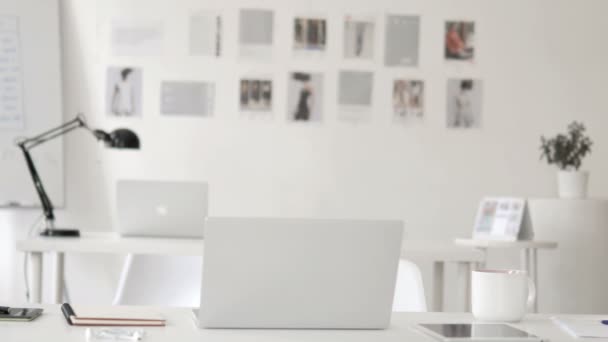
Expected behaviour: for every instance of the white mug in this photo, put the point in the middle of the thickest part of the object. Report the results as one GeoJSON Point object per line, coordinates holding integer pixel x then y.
{"type": "Point", "coordinates": [501, 295]}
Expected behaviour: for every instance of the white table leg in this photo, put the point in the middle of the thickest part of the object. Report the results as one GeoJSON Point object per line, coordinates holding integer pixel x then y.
{"type": "Point", "coordinates": [525, 260]}
{"type": "Point", "coordinates": [438, 285]}
{"type": "Point", "coordinates": [58, 276]}
{"type": "Point", "coordinates": [463, 272]}
{"type": "Point", "coordinates": [124, 275]}
{"type": "Point", "coordinates": [35, 276]}
{"type": "Point", "coordinates": [534, 274]}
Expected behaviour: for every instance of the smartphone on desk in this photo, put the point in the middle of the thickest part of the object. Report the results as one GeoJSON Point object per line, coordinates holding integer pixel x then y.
{"type": "Point", "coordinates": [19, 314]}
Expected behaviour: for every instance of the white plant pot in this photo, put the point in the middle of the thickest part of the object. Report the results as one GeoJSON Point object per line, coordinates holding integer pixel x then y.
{"type": "Point", "coordinates": [572, 184]}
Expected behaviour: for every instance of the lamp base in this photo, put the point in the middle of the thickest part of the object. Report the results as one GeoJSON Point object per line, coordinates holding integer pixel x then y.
{"type": "Point", "coordinates": [61, 233]}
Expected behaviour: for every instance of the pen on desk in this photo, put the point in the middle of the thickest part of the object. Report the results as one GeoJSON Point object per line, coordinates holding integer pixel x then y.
{"type": "Point", "coordinates": [604, 322]}
{"type": "Point", "coordinates": [4, 310]}
{"type": "Point", "coordinates": [68, 312]}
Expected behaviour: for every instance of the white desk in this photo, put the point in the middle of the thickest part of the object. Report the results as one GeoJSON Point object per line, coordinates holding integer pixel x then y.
{"type": "Point", "coordinates": [51, 326]}
{"type": "Point", "coordinates": [529, 255]}
{"type": "Point", "coordinates": [439, 252]}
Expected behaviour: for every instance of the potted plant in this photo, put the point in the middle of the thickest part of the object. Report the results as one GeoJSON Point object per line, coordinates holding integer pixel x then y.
{"type": "Point", "coordinates": [567, 152]}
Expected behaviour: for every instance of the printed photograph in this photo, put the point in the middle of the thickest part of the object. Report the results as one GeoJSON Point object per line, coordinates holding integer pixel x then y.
{"type": "Point", "coordinates": [205, 34]}
{"type": "Point", "coordinates": [464, 103]}
{"type": "Point", "coordinates": [310, 34]}
{"type": "Point", "coordinates": [124, 91]}
{"type": "Point", "coordinates": [256, 95]}
{"type": "Point", "coordinates": [402, 40]}
{"type": "Point", "coordinates": [408, 99]}
{"type": "Point", "coordinates": [460, 40]}
{"type": "Point", "coordinates": [358, 38]}
{"type": "Point", "coordinates": [305, 97]}
{"type": "Point", "coordinates": [256, 30]}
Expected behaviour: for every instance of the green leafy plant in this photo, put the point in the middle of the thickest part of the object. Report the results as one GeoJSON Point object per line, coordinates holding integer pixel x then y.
{"type": "Point", "coordinates": [567, 150]}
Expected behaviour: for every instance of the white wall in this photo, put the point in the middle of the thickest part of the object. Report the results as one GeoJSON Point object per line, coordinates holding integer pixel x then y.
{"type": "Point", "coordinates": [542, 63]}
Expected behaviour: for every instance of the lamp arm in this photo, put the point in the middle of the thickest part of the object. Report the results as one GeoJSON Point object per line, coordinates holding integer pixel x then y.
{"type": "Point", "coordinates": [53, 133]}
{"type": "Point", "coordinates": [27, 144]}
{"type": "Point", "coordinates": [47, 206]}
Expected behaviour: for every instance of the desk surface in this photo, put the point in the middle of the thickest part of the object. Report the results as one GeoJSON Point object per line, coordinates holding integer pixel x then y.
{"type": "Point", "coordinates": [520, 244]}
{"type": "Point", "coordinates": [115, 244]}
{"type": "Point", "coordinates": [181, 327]}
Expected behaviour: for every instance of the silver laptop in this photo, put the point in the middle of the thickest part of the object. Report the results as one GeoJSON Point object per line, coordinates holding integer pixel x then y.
{"type": "Point", "coordinates": [161, 209]}
{"type": "Point", "coordinates": [299, 273]}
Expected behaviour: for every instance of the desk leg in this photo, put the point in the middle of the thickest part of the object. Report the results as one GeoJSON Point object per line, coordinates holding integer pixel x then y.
{"type": "Point", "coordinates": [124, 275]}
{"type": "Point", "coordinates": [525, 260]}
{"type": "Point", "coordinates": [35, 276]}
{"type": "Point", "coordinates": [58, 276]}
{"type": "Point", "coordinates": [463, 270]}
{"type": "Point", "coordinates": [438, 285]}
{"type": "Point", "coordinates": [534, 275]}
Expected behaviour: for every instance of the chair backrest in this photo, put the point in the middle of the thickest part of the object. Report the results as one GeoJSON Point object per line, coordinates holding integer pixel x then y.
{"type": "Point", "coordinates": [155, 280]}
{"type": "Point", "coordinates": [409, 290]}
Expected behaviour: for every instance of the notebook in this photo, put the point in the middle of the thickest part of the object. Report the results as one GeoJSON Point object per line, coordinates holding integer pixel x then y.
{"type": "Point", "coordinates": [119, 316]}
{"type": "Point", "coordinates": [582, 327]}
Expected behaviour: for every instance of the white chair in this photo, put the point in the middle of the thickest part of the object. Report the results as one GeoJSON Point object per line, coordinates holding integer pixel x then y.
{"type": "Point", "coordinates": [409, 290]}
{"type": "Point", "coordinates": [156, 280]}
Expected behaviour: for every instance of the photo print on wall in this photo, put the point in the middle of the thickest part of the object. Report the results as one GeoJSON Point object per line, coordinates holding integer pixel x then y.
{"type": "Point", "coordinates": [130, 37]}
{"type": "Point", "coordinates": [309, 35]}
{"type": "Point", "coordinates": [460, 40]}
{"type": "Point", "coordinates": [355, 90]}
{"type": "Point", "coordinates": [408, 99]}
{"type": "Point", "coordinates": [359, 33]}
{"type": "Point", "coordinates": [124, 91]}
{"type": "Point", "coordinates": [206, 34]}
{"type": "Point", "coordinates": [256, 96]}
{"type": "Point", "coordinates": [187, 98]}
{"type": "Point", "coordinates": [305, 97]}
{"type": "Point", "coordinates": [402, 40]}
{"type": "Point", "coordinates": [464, 103]}
{"type": "Point", "coordinates": [256, 31]}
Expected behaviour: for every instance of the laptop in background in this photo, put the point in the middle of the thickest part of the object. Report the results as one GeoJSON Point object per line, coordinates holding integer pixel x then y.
{"type": "Point", "coordinates": [161, 209]}
{"type": "Point", "coordinates": [299, 273]}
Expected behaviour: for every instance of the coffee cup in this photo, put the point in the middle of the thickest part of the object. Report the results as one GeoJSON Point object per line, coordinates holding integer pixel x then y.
{"type": "Point", "coordinates": [501, 295]}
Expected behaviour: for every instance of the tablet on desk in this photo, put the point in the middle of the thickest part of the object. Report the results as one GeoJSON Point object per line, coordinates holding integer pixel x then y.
{"type": "Point", "coordinates": [477, 332]}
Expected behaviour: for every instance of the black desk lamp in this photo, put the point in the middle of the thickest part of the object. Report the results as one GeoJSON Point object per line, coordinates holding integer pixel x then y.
{"type": "Point", "coordinates": [120, 138]}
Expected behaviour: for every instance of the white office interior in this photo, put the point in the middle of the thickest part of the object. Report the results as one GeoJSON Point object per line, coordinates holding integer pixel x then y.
{"type": "Point", "coordinates": [538, 65]}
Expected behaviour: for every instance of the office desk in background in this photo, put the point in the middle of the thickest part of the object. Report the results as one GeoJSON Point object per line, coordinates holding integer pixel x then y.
{"type": "Point", "coordinates": [529, 254]}
{"type": "Point", "coordinates": [51, 326]}
{"type": "Point", "coordinates": [438, 252]}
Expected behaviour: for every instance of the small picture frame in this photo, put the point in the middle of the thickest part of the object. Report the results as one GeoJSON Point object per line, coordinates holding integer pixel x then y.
{"type": "Point", "coordinates": [503, 218]}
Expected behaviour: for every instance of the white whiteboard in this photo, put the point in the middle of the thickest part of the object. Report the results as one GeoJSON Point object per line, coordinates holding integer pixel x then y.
{"type": "Point", "coordinates": [30, 98]}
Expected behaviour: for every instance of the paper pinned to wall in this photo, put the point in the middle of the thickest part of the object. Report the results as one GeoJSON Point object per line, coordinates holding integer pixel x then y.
{"type": "Point", "coordinates": [355, 95]}
{"type": "Point", "coordinates": [187, 98]}
{"type": "Point", "coordinates": [305, 97]}
{"type": "Point", "coordinates": [124, 91]}
{"type": "Point", "coordinates": [136, 38]}
{"type": "Point", "coordinates": [309, 36]}
{"type": "Point", "coordinates": [359, 34]}
{"type": "Point", "coordinates": [11, 81]}
{"type": "Point", "coordinates": [402, 40]}
{"type": "Point", "coordinates": [206, 34]}
{"type": "Point", "coordinates": [408, 100]}
{"type": "Point", "coordinates": [464, 103]}
{"type": "Point", "coordinates": [256, 97]}
{"type": "Point", "coordinates": [256, 32]}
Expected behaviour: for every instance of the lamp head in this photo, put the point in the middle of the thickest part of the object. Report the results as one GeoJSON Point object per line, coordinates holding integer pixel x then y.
{"type": "Point", "coordinates": [121, 138]}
